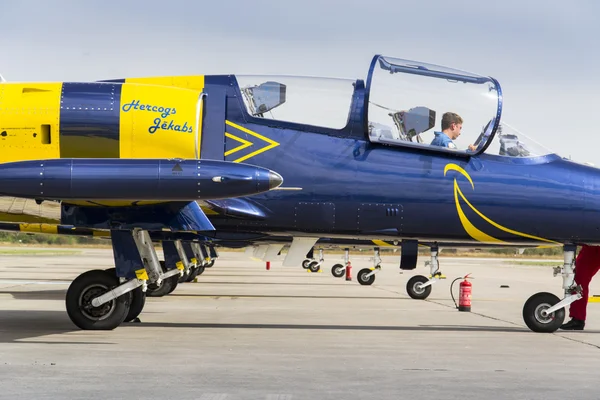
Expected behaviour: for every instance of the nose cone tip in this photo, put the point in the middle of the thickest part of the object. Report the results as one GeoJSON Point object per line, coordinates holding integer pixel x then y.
{"type": "Point", "coordinates": [275, 180]}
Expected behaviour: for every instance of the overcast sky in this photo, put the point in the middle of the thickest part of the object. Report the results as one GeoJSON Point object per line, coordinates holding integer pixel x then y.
{"type": "Point", "coordinates": [543, 52]}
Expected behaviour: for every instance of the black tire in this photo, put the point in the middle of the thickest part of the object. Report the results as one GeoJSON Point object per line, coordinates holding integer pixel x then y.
{"type": "Point", "coordinates": [306, 263]}
{"type": "Point", "coordinates": [413, 289]}
{"type": "Point", "coordinates": [192, 274]}
{"type": "Point", "coordinates": [314, 266]}
{"type": "Point", "coordinates": [338, 270]}
{"type": "Point", "coordinates": [362, 277]}
{"type": "Point", "coordinates": [197, 271]}
{"type": "Point", "coordinates": [535, 320]}
{"type": "Point", "coordinates": [174, 282]}
{"type": "Point", "coordinates": [183, 278]}
{"type": "Point", "coordinates": [136, 305]}
{"type": "Point", "coordinates": [165, 287]}
{"type": "Point", "coordinates": [210, 264]}
{"type": "Point", "coordinates": [83, 289]}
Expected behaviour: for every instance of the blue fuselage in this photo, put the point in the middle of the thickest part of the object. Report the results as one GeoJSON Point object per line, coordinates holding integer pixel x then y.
{"type": "Point", "coordinates": [351, 188]}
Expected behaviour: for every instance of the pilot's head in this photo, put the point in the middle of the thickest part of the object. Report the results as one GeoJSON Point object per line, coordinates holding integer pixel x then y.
{"type": "Point", "coordinates": [451, 124]}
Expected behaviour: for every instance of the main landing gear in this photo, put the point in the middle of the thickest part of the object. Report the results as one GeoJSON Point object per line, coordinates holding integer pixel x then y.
{"type": "Point", "coordinates": [366, 276]}
{"type": "Point", "coordinates": [312, 264]}
{"type": "Point", "coordinates": [190, 258]}
{"type": "Point", "coordinates": [419, 286]}
{"type": "Point", "coordinates": [545, 312]}
{"type": "Point", "coordinates": [102, 300]}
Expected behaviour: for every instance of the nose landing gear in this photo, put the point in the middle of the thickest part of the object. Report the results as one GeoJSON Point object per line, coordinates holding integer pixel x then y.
{"type": "Point", "coordinates": [366, 276]}
{"type": "Point", "coordinates": [419, 286]}
{"type": "Point", "coordinates": [545, 312]}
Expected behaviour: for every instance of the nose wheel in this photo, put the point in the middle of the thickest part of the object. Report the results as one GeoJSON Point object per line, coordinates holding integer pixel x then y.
{"type": "Point", "coordinates": [338, 270]}
{"type": "Point", "coordinates": [415, 288]}
{"type": "Point", "coordinates": [545, 312]}
{"type": "Point", "coordinates": [536, 315]}
{"type": "Point", "coordinates": [419, 287]}
{"type": "Point", "coordinates": [366, 276]}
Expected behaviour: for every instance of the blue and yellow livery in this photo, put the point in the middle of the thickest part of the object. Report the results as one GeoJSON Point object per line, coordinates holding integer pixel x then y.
{"type": "Point", "coordinates": [416, 153]}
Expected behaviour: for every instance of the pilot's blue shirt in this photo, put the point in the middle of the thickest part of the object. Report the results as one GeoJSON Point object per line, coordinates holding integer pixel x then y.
{"type": "Point", "coordinates": [442, 140]}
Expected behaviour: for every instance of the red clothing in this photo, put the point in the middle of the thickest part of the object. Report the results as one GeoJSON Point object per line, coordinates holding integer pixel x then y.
{"type": "Point", "coordinates": [586, 266]}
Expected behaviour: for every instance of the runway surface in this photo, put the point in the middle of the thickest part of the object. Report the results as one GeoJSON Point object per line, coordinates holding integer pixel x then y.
{"type": "Point", "coordinates": [242, 332]}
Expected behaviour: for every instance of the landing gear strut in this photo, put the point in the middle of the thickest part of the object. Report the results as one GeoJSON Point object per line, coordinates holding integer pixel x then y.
{"type": "Point", "coordinates": [339, 270]}
{"type": "Point", "coordinates": [366, 276]}
{"type": "Point", "coordinates": [545, 312]}
{"type": "Point", "coordinates": [312, 264]}
{"type": "Point", "coordinates": [419, 286]}
{"type": "Point", "coordinates": [102, 300]}
{"type": "Point", "coordinates": [315, 266]}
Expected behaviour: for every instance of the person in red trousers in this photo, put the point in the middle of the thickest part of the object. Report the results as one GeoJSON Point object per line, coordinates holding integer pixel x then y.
{"type": "Point", "coordinates": [587, 264]}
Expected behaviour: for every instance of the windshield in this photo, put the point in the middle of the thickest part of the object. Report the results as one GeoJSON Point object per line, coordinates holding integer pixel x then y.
{"type": "Point", "coordinates": [424, 105]}
{"type": "Point", "coordinates": [509, 142]}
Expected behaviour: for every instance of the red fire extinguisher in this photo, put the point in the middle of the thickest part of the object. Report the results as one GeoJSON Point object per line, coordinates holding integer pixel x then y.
{"type": "Point", "coordinates": [348, 271]}
{"type": "Point", "coordinates": [464, 294]}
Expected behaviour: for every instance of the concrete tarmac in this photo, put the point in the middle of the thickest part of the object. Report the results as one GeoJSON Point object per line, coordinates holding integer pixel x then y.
{"type": "Point", "coordinates": [242, 332]}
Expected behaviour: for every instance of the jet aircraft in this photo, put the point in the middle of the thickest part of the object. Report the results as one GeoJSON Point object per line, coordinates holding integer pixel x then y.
{"type": "Point", "coordinates": [360, 163]}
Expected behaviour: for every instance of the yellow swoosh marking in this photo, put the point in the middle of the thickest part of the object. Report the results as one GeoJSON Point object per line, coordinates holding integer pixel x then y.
{"type": "Point", "coordinates": [468, 226]}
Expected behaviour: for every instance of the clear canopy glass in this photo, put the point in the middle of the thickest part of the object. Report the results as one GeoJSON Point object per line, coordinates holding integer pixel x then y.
{"type": "Point", "coordinates": [509, 142]}
{"type": "Point", "coordinates": [321, 102]}
{"type": "Point", "coordinates": [408, 101]}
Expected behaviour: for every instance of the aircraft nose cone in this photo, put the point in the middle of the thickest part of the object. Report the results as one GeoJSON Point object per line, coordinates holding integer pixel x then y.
{"type": "Point", "coordinates": [275, 180]}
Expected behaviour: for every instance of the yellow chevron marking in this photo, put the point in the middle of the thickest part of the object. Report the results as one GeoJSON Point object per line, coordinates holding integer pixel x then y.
{"type": "Point", "coordinates": [244, 144]}
{"type": "Point", "coordinates": [271, 144]}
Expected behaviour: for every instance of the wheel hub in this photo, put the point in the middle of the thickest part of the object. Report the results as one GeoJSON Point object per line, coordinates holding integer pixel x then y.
{"type": "Point", "coordinates": [85, 303]}
{"type": "Point", "coordinates": [541, 315]}
{"type": "Point", "coordinates": [418, 288]}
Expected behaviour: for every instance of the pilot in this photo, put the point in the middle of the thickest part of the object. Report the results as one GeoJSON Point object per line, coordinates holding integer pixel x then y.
{"type": "Point", "coordinates": [451, 128]}
{"type": "Point", "coordinates": [587, 265]}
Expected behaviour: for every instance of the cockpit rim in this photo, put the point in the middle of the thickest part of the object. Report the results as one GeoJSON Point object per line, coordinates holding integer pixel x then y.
{"type": "Point", "coordinates": [490, 136]}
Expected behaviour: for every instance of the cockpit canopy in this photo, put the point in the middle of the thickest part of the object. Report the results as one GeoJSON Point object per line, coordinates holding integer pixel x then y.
{"type": "Point", "coordinates": [408, 100]}
{"type": "Point", "coordinates": [403, 104]}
